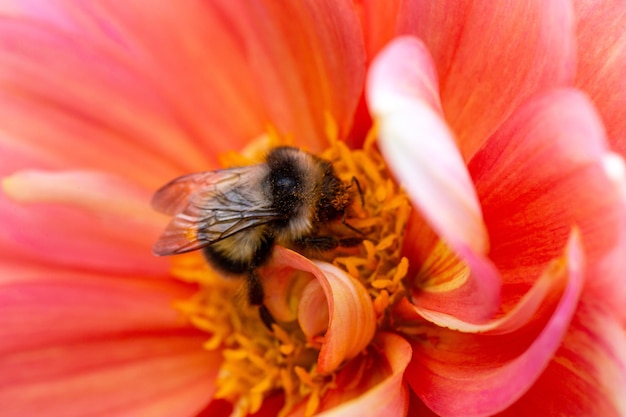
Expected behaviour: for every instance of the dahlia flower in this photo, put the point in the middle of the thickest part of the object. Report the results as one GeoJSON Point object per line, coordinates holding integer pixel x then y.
{"type": "Point", "coordinates": [487, 141]}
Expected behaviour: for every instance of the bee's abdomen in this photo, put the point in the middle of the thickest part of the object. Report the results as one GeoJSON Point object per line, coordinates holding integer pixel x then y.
{"type": "Point", "coordinates": [241, 252]}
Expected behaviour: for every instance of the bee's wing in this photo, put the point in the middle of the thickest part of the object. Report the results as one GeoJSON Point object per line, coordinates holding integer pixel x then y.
{"type": "Point", "coordinates": [174, 196]}
{"type": "Point", "coordinates": [211, 206]}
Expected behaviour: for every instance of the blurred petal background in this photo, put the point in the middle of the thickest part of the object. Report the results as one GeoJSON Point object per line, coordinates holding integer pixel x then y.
{"type": "Point", "coordinates": [502, 122]}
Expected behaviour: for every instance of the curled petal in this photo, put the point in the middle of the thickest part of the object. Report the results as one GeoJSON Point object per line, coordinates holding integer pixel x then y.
{"type": "Point", "coordinates": [62, 214]}
{"type": "Point", "coordinates": [464, 374]}
{"type": "Point", "coordinates": [419, 148]}
{"type": "Point", "coordinates": [513, 320]}
{"type": "Point", "coordinates": [313, 310]}
{"type": "Point", "coordinates": [464, 287]}
{"type": "Point", "coordinates": [352, 320]}
{"type": "Point", "coordinates": [549, 282]}
{"type": "Point", "coordinates": [284, 294]}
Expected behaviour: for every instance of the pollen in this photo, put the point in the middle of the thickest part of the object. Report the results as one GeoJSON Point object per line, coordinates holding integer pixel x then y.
{"type": "Point", "coordinates": [257, 363]}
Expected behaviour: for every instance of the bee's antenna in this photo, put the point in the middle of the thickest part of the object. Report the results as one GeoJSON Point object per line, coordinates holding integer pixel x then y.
{"type": "Point", "coordinates": [355, 181]}
{"type": "Point", "coordinates": [349, 226]}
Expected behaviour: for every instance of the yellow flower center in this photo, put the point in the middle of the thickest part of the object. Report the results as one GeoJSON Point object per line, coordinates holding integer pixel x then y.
{"type": "Point", "coordinates": [258, 363]}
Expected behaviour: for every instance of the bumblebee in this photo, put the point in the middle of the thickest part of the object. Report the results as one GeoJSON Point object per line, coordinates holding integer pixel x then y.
{"type": "Point", "coordinates": [236, 215]}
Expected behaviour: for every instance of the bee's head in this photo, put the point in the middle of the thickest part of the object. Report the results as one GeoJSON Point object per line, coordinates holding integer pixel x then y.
{"type": "Point", "coordinates": [291, 183]}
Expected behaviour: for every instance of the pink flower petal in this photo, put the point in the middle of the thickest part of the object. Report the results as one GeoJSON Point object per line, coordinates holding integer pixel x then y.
{"type": "Point", "coordinates": [79, 103]}
{"type": "Point", "coordinates": [74, 341]}
{"type": "Point", "coordinates": [463, 374]}
{"type": "Point", "coordinates": [307, 61]}
{"type": "Point", "coordinates": [601, 62]}
{"type": "Point", "coordinates": [401, 75]}
{"type": "Point", "coordinates": [540, 175]}
{"type": "Point", "coordinates": [313, 310]}
{"type": "Point", "coordinates": [108, 378]}
{"type": "Point", "coordinates": [35, 299]}
{"type": "Point", "coordinates": [487, 69]}
{"type": "Point", "coordinates": [85, 219]}
{"type": "Point", "coordinates": [87, 189]}
{"type": "Point", "coordinates": [468, 291]}
{"type": "Point", "coordinates": [378, 19]}
{"type": "Point", "coordinates": [418, 408]}
{"type": "Point", "coordinates": [116, 79]}
{"type": "Point", "coordinates": [352, 320]}
{"type": "Point", "coordinates": [588, 373]}
{"type": "Point", "coordinates": [389, 397]}
{"type": "Point", "coordinates": [156, 375]}
{"type": "Point", "coordinates": [513, 320]}
{"type": "Point", "coordinates": [607, 279]}
{"type": "Point", "coordinates": [419, 149]}
{"type": "Point", "coordinates": [283, 292]}
{"type": "Point", "coordinates": [290, 66]}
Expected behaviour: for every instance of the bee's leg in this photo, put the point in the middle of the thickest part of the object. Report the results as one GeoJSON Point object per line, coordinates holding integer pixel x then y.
{"type": "Point", "coordinates": [256, 296]}
{"type": "Point", "coordinates": [321, 243]}
{"type": "Point", "coordinates": [325, 243]}
{"type": "Point", "coordinates": [266, 317]}
{"type": "Point", "coordinates": [349, 242]}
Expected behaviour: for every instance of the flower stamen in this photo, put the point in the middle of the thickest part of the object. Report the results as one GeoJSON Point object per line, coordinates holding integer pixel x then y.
{"type": "Point", "coordinates": [258, 363]}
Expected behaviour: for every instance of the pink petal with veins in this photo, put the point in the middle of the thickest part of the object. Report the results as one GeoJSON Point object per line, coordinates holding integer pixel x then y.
{"type": "Point", "coordinates": [120, 87]}
{"type": "Point", "coordinates": [466, 374]}
{"type": "Point", "coordinates": [587, 375]}
{"type": "Point", "coordinates": [77, 103]}
{"type": "Point", "coordinates": [86, 219]}
{"type": "Point", "coordinates": [74, 341]}
{"type": "Point", "coordinates": [307, 60]}
{"type": "Point", "coordinates": [379, 20]}
{"type": "Point", "coordinates": [90, 190]}
{"type": "Point", "coordinates": [487, 69]}
{"type": "Point", "coordinates": [542, 173]}
{"type": "Point", "coordinates": [601, 62]}
{"type": "Point", "coordinates": [288, 65]}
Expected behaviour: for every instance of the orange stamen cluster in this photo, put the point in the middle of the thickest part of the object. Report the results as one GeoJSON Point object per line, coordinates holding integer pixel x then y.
{"type": "Point", "coordinates": [258, 363]}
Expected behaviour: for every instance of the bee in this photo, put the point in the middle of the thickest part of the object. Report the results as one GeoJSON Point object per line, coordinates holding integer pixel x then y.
{"type": "Point", "coordinates": [236, 215]}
